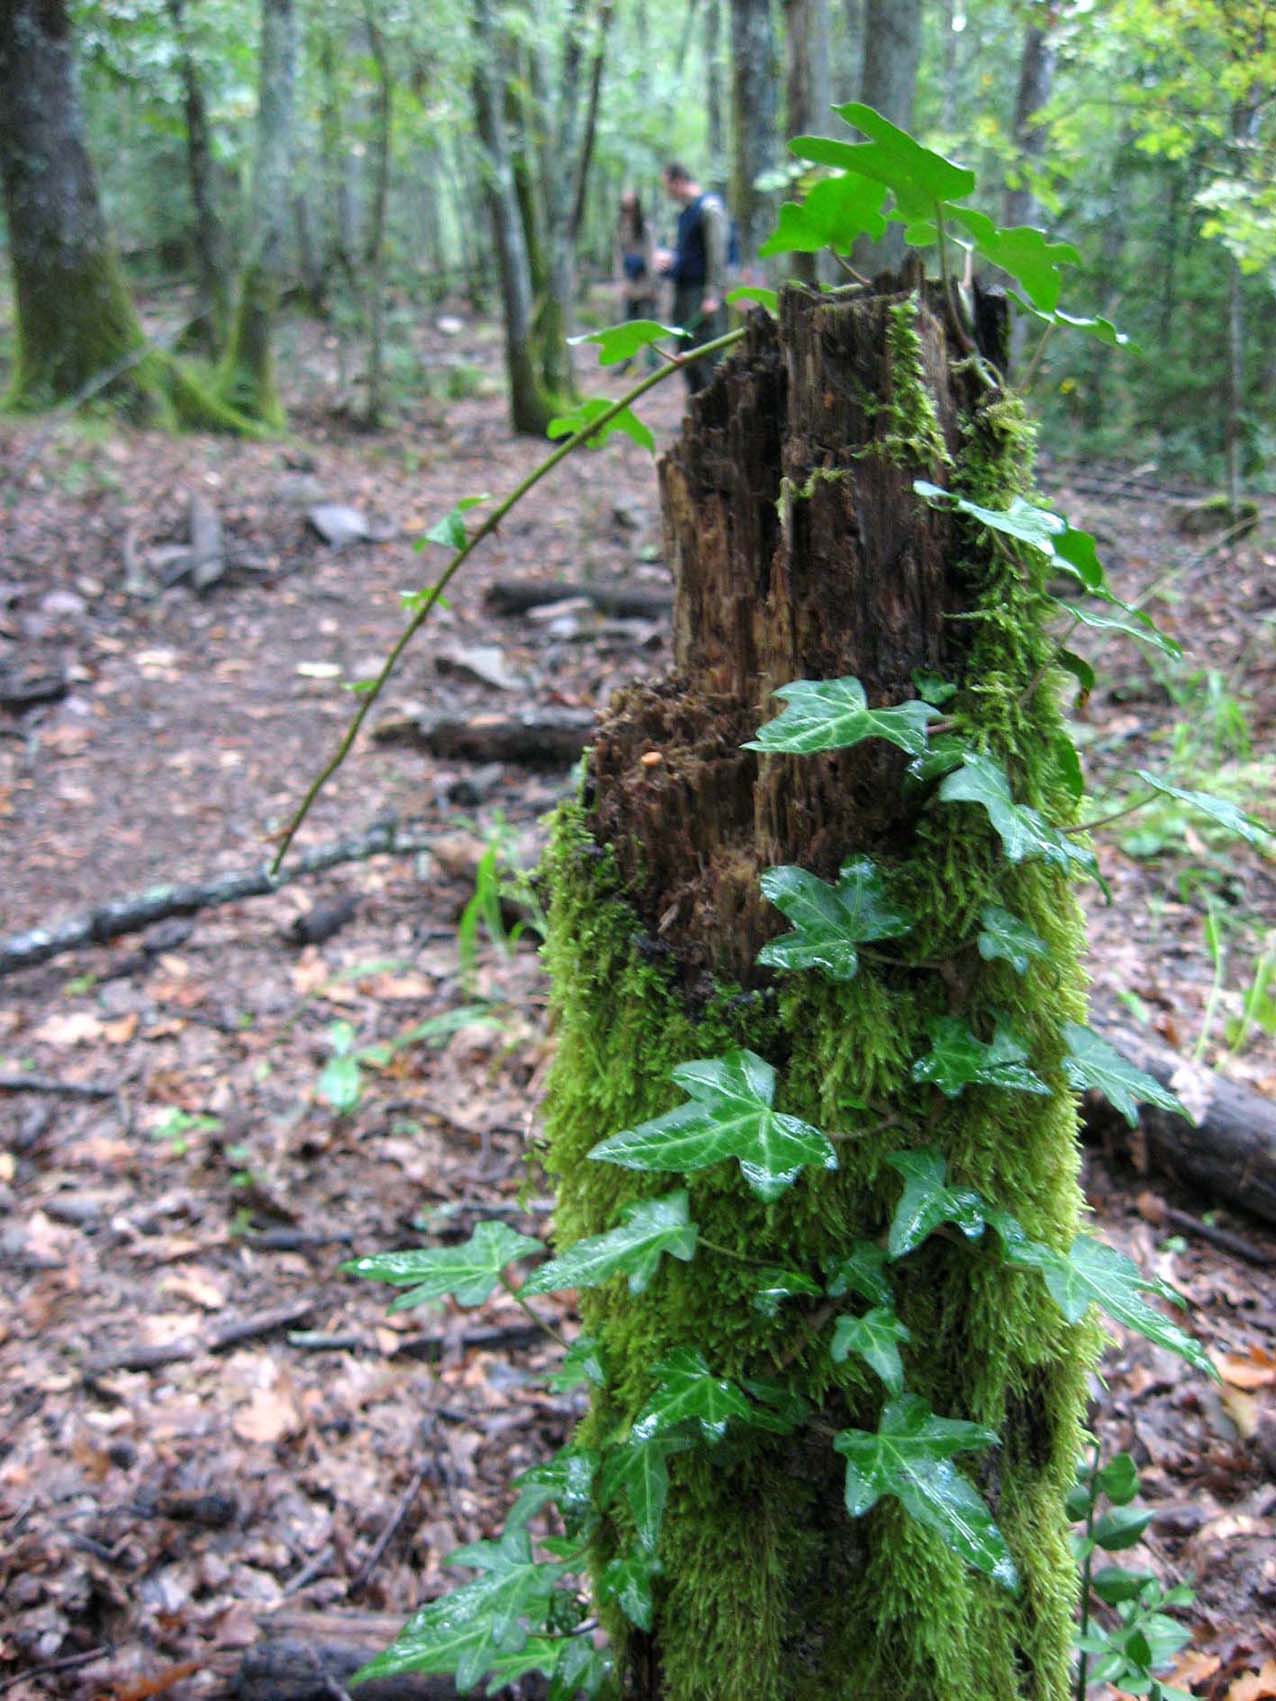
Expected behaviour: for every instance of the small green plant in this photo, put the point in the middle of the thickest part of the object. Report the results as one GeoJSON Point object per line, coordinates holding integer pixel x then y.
{"type": "Point", "coordinates": [1126, 1635]}
{"type": "Point", "coordinates": [178, 1125]}
{"type": "Point", "coordinates": [499, 881]}
{"type": "Point", "coordinates": [341, 1080]}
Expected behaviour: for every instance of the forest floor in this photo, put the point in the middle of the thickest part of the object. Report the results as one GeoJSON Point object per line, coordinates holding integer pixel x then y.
{"type": "Point", "coordinates": [208, 1434]}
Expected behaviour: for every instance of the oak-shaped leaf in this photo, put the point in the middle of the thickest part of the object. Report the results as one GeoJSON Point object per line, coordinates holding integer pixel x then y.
{"type": "Point", "coordinates": [910, 1457]}
{"type": "Point", "coordinates": [623, 341]}
{"type": "Point", "coordinates": [1091, 1063]}
{"type": "Point", "coordinates": [587, 413]}
{"type": "Point", "coordinates": [647, 1229]}
{"type": "Point", "coordinates": [829, 922]}
{"type": "Point", "coordinates": [729, 1116]}
{"type": "Point", "coordinates": [1092, 1273]}
{"type": "Point", "coordinates": [862, 1270]}
{"type": "Point", "coordinates": [1003, 936]}
{"type": "Point", "coordinates": [1023, 832]}
{"type": "Point", "coordinates": [1023, 252]}
{"type": "Point", "coordinates": [689, 1392]}
{"type": "Point", "coordinates": [833, 714]}
{"type": "Point", "coordinates": [875, 1338]}
{"type": "Point", "coordinates": [832, 214]}
{"type": "Point", "coordinates": [918, 176]}
{"type": "Point", "coordinates": [468, 1272]}
{"type": "Point", "coordinates": [959, 1059]}
{"type": "Point", "coordinates": [639, 1469]}
{"type": "Point", "coordinates": [928, 1200]}
{"type": "Point", "coordinates": [1218, 810]}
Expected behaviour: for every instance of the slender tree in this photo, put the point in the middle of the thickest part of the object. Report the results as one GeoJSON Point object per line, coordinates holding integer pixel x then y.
{"type": "Point", "coordinates": [383, 118]}
{"type": "Point", "coordinates": [892, 53]}
{"type": "Point", "coordinates": [808, 86]}
{"type": "Point", "coordinates": [1036, 74]}
{"type": "Point", "coordinates": [209, 237]}
{"type": "Point", "coordinates": [754, 116]}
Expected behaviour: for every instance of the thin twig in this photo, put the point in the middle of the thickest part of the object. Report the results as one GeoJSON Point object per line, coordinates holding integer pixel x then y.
{"type": "Point", "coordinates": [361, 1578]}
{"type": "Point", "coordinates": [47, 1084]}
{"type": "Point", "coordinates": [1116, 815]}
{"type": "Point", "coordinates": [69, 1663]}
{"type": "Point", "coordinates": [535, 1317]}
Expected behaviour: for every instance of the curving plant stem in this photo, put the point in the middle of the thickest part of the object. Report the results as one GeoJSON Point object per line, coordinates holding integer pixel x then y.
{"type": "Point", "coordinates": [462, 555]}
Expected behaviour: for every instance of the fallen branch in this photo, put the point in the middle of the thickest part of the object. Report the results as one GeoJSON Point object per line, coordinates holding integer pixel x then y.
{"type": "Point", "coordinates": [543, 738]}
{"type": "Point", "coordinates": [130, 915]}
{"type": "Point", "coordinates": [141, 1356]}
{"type": "Point", "coordinates": [519, 596]}
{"type": "Point", "coordinates": [64, 1089]}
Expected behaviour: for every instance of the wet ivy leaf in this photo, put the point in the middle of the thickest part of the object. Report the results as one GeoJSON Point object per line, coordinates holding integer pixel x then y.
{"type": "Point", "coordinates": [469, 1272]}
{"type": "Point", "coordinates": [593, 408]}
{"type": "Point", "coordinates": [1023, 832]}
{"type": "Point", "coordinates": [1071, 550]}
{"type": "Point", "coordinates": [910, 1457]}
{"type": "Point", "coordinates": [829, 921]}
{"type": "Point", "coordinates": [1005, 937]}
{"type": "Point", "coordinates": [1092, 1273]}
{"type": "Point", "coordinates": [1131, 621]}
{"type": "Point", "coordinates": [833, 214]}
{"type": "Point", "coordinates": [932, 689]}
{"type": "Point", "coordinates": [778, 1285]}
{"type": "Point", "coordinates": [639, 1470]}
{"type": "Point", "coordinates": [875, 1338]}
{"type": "Point", "coordinates": [776, 1408]}
{"type": "Point", "coordinates": [863, 1271]}
{"type": "Point", "coordinates": [1217, 809]}
{"type": "Point", "coordinates": [623, 342]}
{"type": "Point", "coordinates": [957, 1060]}
{"type": "Point", "coordinates": [833, 714]}
{"type": "Point", "coordinates": [729, 1117]}
{"type": "Point", "coordinates": [690, 1393]}
{"type": "Point", "coordinates": [450, 531]}
{"type": "Point", "coordinates": [565, 1481]}
{"type": "Point", "coordinates": [648, 1229]}
{"type": "Point", "coordinates": [582, 1669]}
{"type": "Point", "coordinates": [1092, 1063]}
{"type": "Point", "coordinates": [942, 755]}
{"type": "Point", "coordinates": [580, 1363]}
{"type": "Point", "coordinates": [928, 1201]}
{"type": "Point", "coordinates": [627, 1581]}
{"type": "Point", "coordinates": [768, 298]}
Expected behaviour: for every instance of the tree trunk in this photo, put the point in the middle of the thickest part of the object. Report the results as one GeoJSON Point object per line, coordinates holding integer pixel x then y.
{"type": "Point", "coordinates": [808, 90]}
{"type": "Point", "coordinates": [892, 53]}
{"type": "Point", "coordinates": [754, 116]}
{"type": "Point", "coordinates": [556, 320]}
{"type": "Point", "coordinates": [383, 115]}
{"type": "Point", "coordinates": [713, 90]}
{"type": "Point", "coordinates": [1244, 128]}
{"type": "Point", "coordinates": [530, 409]}
{"type": "Point", "coordinates": [851, 68]}
{"type": "Point", "coordinates": [800, 551]}
{"type": "Point", "coordinates": [247, 379]}
{"type": "Point", "coordinates": [1036, 73]}
{"type": "Point", "coordinates": [210, 241]}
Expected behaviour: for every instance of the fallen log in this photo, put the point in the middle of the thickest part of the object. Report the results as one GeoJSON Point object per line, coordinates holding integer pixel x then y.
{"type": "Point", "coordinates": [540, 738]}
{"type": "Point", "coordinates": [1230, 1153]}
{"type": "Point", "coordinates": [518, 596]}
{"type": "Point", "coordinates": [131, 915]}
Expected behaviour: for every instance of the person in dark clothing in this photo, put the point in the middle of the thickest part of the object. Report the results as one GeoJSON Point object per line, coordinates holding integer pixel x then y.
{"type": "Point", "coordinates": [636, 267]}
{"type": "Point", "coordinates": [697, 267]}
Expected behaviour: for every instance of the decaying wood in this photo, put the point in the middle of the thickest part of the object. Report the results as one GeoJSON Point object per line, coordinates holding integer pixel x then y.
{"type": "Point", "coordinates": [541, 738]}
{"type": "Point", "coordinates": [63, 1089]}
{"type": "Point", "coordinates": [518, 596]}
{"type": "Point", "coordinates": [131, 915]}
{"type": "Point", "coordinates": [140, 1356]}
{"type": "Point", "coordinates": [1230, 1153]}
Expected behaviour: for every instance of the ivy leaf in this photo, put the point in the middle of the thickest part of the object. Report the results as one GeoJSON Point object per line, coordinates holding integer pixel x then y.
{"type": "Point", "coordinates": [1071, 550]}
{"type": "Point", "coordinates": [572, 1664]}
{"type": "Point", "coordinates": [1023, 832]}
{"type": "Point", "coordinates": [932, 688]}
{"type": "Point", "coordinates": [777, 1408]}
{"type": "Point", "coordinates": [928, 1201]}
{"type": "Point", "coordinates": [581, 1363]}
{"type": "Point", "coordinates": [1103, 330]}
{"type": "Point", "coordinates": [469, 1272]}
{"type": "Point", "coordinates": [863, 1271]}
{"type": "Point", "coordinates": [450, 530]}
{"type": "Point", "coordinates": [622, 342]}
{"type": "Point", "coordinates": [1227, 815]}
{"type": "Point", "coordinates": [639, 1469]}
{"type": "Point", "coordinates": [768, 298]}
{"type": "Point", "coordinates": [957, 1059]}
{"type": "Point", "coordinates": [779, 1285]}
{"type": "Point", "coordinates": [690, 1393]}
{"type": "Point", "coordinates": [829, 921]}
{"type": "Point", "coordinates": [593, 408]}
{"type": "Point", "coordinates": [565, 1481]}
{"type": "Point", "coordinates": [910, 1458]}
{"type": "Point", "coordinates": [833, 714]}
{"type": "Point", "coordinates": [1007, 938]}
{"type": "Point", "coordinates": [833, 214]}
{"type": "Point", "coordinates": [648, 1228]}
{"type": "Point", "coordinates": [1091, 1273]}
{"type": "Point", "coordinates": [730, 1116]}
{"type": "Point", "coordinates": [1092, 1063]}
{"type": "Point", "coordinates": [1131, 621]}
{"type": "Point", "coordinates": [627, 1581]}
{"type": "Point", "coordinates": [875, 1338]}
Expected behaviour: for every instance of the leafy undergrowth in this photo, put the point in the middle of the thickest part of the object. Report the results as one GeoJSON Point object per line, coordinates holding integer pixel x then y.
{"type": "Point", "coordinates": [273, 1109]}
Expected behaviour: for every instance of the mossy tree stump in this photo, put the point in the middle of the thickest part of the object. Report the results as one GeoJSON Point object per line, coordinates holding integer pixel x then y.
{"type": "Point", "coordinates": [801, 551]}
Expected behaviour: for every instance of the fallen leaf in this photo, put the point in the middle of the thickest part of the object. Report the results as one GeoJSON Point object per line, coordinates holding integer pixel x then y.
{"type": "Point", "coordinates": [1244, 1411]}
{"type": "Point", "coordinates": [120, 1031]}
{"type": "Point", "coordinates": [1255, 1686]}
{"type": "Point", "coordinates": [318, 670]}
{"type": "Point", "coordinates": [268, 1417]}
{"type": "Point", "coordinates": [76, 1027]}
{"type": "Point", "coordinates": [197, 1286]}
{"type": "Point", "coordinates": [1256, 1370]}
{"type": "Point", "coordinates": [1194, 1666]}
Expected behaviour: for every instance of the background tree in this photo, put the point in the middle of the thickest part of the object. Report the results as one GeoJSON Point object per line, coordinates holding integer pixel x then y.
{"type": "Point", "coordinates": [755, 114]}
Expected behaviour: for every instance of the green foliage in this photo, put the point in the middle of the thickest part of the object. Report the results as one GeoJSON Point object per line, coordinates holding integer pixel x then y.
{"type": "Point", "coordinates": [1092, 1063]}
{"type": "Point", "coordinates": [622, 342]}
{"type": "Point", "coordinates": [1003, 936]}
{"type": "Point", "coordinates": [958, 1059]}
{"type": "Point", "coordinates": [648, 1229]}
{"type": "Point", "coordinates": [833, 714]}
{"type": "Point", "coordinates": [1023, 832]}
{"type": "Point", "coordinates": [593, 408]}
{"type": "Point", "coordinates": [829, 922]}
{"type": "Point", "coordinates": [470, 1272]}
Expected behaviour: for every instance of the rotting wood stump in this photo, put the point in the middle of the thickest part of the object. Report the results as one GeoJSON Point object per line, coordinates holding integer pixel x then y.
{"type": "Point", "coordinates": [801, 551]}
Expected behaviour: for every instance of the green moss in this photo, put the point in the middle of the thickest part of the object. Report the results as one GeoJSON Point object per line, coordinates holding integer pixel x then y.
{"type": "Point", "coordinates": [913, 431]}
{"type": "Point", "coordinates": [246, 381]}
{"type": "Point", "coordinates": [768, 1589]}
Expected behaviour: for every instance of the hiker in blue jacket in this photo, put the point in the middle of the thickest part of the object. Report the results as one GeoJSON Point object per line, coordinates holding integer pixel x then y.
{"type": "Point", "coordinates": [697, 267]}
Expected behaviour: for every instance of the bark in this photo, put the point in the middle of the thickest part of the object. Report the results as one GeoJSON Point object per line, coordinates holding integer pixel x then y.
{"type": "Point", "coordinates": [247, 379]}
{"type": "Point", "coordinates": [544, 738]}
{"type": "Point", "coordinates": [713, 88]}
{"type": "Point", "coordinates": [754, 117]}
{"type": "Point", "coordinates": [584, 163]}
{"type": "Point", "coordinates": [1244, 128]}
{"type": "Point", "coordinates": [556, 321]}
{"type": "Point", "coordinates": [801, 552]}
{"type": "Point", "coordinates": [383, 117]}
{"type": "Point", "coordinates": [892, 53]}
{"type": "Point", "coordinates": [808, 89]}
{"type": "Point", "coordinates": [1036, 74]}
{"type": "Point", "coordinates": [530, 408]}
{"type": "Point", "coordinates": [209, 237]}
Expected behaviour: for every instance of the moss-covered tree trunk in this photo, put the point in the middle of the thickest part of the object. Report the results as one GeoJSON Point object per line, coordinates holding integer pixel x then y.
{"type": "Point", "coordinates": [209, 237]}
{"type": "Point", "coordinates": [801, 551]}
